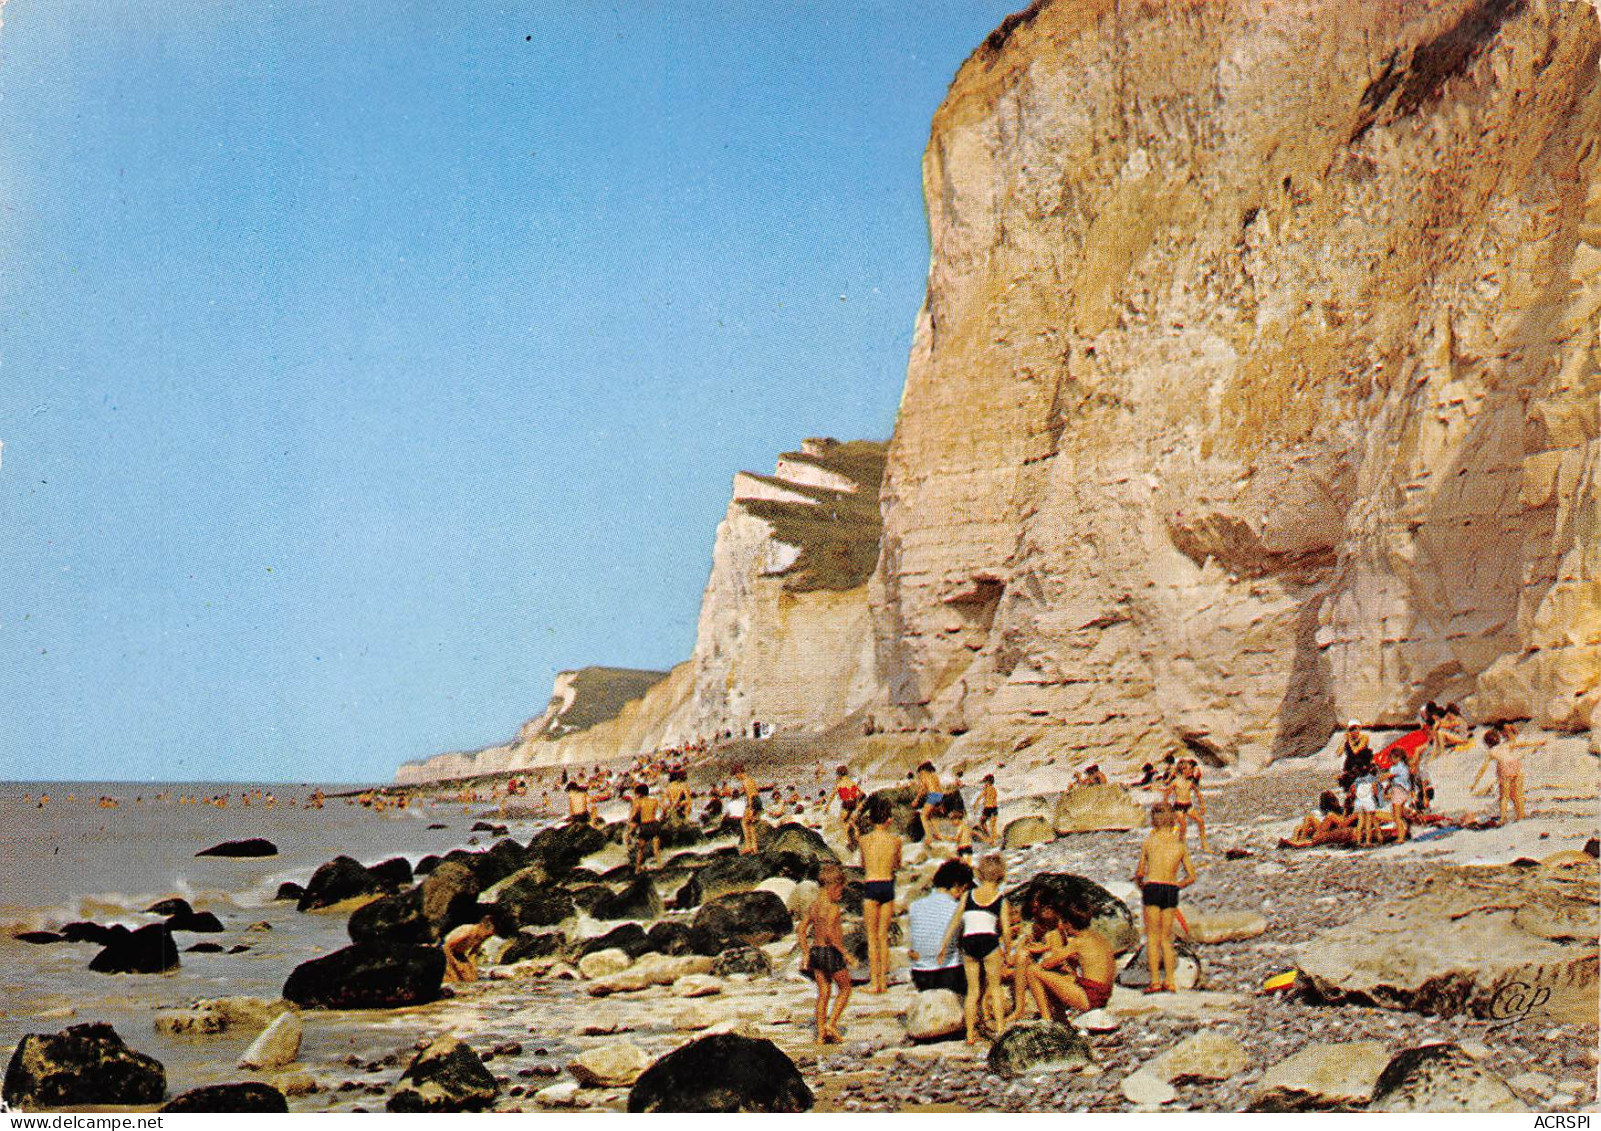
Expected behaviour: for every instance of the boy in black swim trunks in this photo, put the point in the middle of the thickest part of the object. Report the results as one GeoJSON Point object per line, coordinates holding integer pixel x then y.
{"type": "Point", "coordinates": [822, 942]}
{"type": "Point", "coordinates": [1164, 868]}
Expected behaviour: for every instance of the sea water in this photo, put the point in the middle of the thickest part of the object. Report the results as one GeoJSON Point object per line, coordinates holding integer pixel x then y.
{"type": "Point", "coordinates": [75, 860]}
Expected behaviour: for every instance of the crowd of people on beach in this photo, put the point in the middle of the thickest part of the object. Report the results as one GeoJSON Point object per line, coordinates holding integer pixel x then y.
{"type": "Point", "coordinates": [1383, 797]}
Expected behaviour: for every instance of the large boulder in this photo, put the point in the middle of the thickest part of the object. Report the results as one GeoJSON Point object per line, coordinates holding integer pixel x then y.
{"type": "Point", "coordinates": [749, 917]}
{"type": "Point", "coordinates": [244, 1098]}
{"type": "Point", "coordinates": [1322, 1077]}
{"type": "Point", "coordinates": [529, 946]}
{"type": "Point", "coordinates": [723, 1073]}
{"type": "Point", "coordinates": [85, 1064]}
{"type": "Point", "coordinates": [1025, 832]}
{"type": "Point", "coordinates": [1030, 1047]}
{"type": "Point", "coordinates": [278, 1044]}
{"type": "Point", "coordinates": [1092, 808]}
{"type": "Point", "coordinates": [503, 858]}
{"type": "Point", "coordinates": [445, 1076]}
{"type": "Point", "coordinates": [1205, 1056]}
{"type": "Point", "coordinates": [391, 920]}
{"type": "Point", "coordinates": [542, 906]}
{"type": "Point", "coordinates": [250, 846]}
{"type": "Point", "coordinates": [614, 1065]}
{"type": "Point", "coordinates": [630, 938]}
{"type": "Point", "coordinates": [670, 937]}
{"type": "Point", "coordinates": [1441, 1078]}
{"type": "Point", "coordinates": [209, 1017]}
{"type": "Point", "coordinates": [172, 905]}
{"type": "Point", "coordinates": [935, 1015]}
{"type": "Point", "coordinates": [449, 897]}
{"type": "Point", "coordinates": [97, 933]}
{"type": "Point", "coordinates": [604, 963]}
{"type": "Point", "coordinates": [742, 960]}
{"type": "Point", "coordinates": [149, 950]}
{"type": "Point", "coordinates": [368, 976]}
{"type": "Point", "coordinates": [340, 879]}
{"type": "Point", "coordinates": [392, 873]}
{"type": "Point", "coordinates": [798, 840]}
{"type": "Point", "coordinates": [195, 922]}
{"type": "Point", "coordinates": [1110, 915]}
{"type": "Point", "coordinates": [639, 900]}
{"type": "Point", "coordinates": [561, 847]}
{"type": "Point", "coordinates": [734, 873]}
{"type": "Point", "coordinates": [1490, 941]}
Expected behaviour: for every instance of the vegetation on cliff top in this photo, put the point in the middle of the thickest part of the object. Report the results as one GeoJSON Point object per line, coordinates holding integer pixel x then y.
{"type": "Point", "coordinates": [838, 535]}
{"type": "Point", "coordinates": [599, 695]}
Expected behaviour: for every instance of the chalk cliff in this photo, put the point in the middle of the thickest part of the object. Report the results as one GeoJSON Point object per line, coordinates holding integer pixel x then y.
{"type": "Point", "coordinates": [1256, 385]}
{"type": "Point", "coordinates": [784, 637]}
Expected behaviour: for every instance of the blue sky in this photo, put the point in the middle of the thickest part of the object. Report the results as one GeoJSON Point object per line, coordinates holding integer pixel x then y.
{"type": "Point", "coordinates": [364, 363]}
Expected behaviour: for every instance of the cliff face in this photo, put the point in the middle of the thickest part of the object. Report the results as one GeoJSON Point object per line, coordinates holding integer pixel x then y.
{"type": "Point", "coordinates": [784, 638]}
{"type": "Point", "coordinates": [1256, 385]}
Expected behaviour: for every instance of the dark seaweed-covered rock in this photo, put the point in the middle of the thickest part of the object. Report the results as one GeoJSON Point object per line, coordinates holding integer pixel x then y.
{"type": "Point", "coordinates": [289, 891]}
{"type": "Point", "coordinates": [149, 950]}
{"type": "Point", "coordinates": [94, 933]}
{"type": "Point", "coordinates": [450, 897]}
{"type": "Point", "coordinates": [336, 881]}
{"type": "Point", "coordinates": [1038, 1046]}
{"type": "Point", "coordinates": [669, 937]}
{"type": "Point", "coordinates": [392, 919]}
{"type": "Point", "coordinates": [724, 1073]}
{"type": "Point", "coordinates": [1188, 971]}
{"type": "Point", "coordinates": [544, 906]}
{"type": "Point", "coordinates": [39, 938]}
{"type": "Point", "coordinates": [196, 922]}
{"type": "Point", "coordinates": [542, 945]}
{"type": "Point", "coordinates": [204, 948]}
{"type": "Point", "coordinates": [445, 1076]}
{"type": "Point", "coordinates": [242, 1098]}
{"type": "Point", "coordinates": [799, 840]}
{"type": "Point", "coordinates": [1111, 916]}
{"type": "Point", "coordinates": [590, 896]}
{"type": "Point", "coordinates": [561, 847]}
{"type": "Point", "coordinates": [903, 818]}
{"type": "Point", "coordinates": [85, 1064]}
{"type": "Point", "coordinates": [749, 917]}
{"type": "Point", "coordinates": [1441, 1078]}
{"type": "Point", "coordinates": [630, 938]}
{"type": "Point", "coordinates": [501, 859]}
{"type": "Point", "coordinates": [742, 960]}
{"type": "Point", "coordinates": [251, 846]}
{"type": "Point", "coordinates": [173, 905]}
{"type": "Point", "coordinates": [392, 873]}
{"type": "Point", "coordinates": [368, 976]}
{"type": "Point", "coordinates": [639, 900]}
{"type": "Point", "coordinates": [426, 864]}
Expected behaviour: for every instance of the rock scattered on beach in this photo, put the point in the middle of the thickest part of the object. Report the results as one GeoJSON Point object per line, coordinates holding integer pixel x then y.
{"type": "Point", "coordinates": [245, 1098]}
{"type": "Point", "coordinates": [1322, 1077]}
{"type": "Point", "coordinates": [365, 976]}
{"type": "Point", "coordinates": [935, 1015]}
{"type": "Point", "coordinates": [447, 1075]}
{"type": "Point", "coordinates": [84, 1064]}
{"type": "Point", "coordinates": [1441, 1078]}
{"type": "Point", "coordinates": [148, 950]}
{"type": "Point", "coordinates": [250, 846]}
{"type": "Point", "coordinates": [614, 1065]}
{"type": "Point", "coordinates": [278, 1044]}
{"type": "Point", "coordinates": [1038, 1046]}
{"type": "Point", "coordinates": [725, 1072]}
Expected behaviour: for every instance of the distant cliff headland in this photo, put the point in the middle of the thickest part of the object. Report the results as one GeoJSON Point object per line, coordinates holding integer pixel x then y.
{"type": "Point", "coordinates": [1257, 387]}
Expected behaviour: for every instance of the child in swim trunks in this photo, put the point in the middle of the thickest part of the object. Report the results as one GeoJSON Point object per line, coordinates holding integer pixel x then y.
{"type": "Point", "coordinates": [1502, 749]}
{"type": "Point", "coordinates": [1079, 973]}
{"type": "Point", "coordinates": [989, 809]}
{"type": "Point", "coordinates": [983, 926]}
{"type": "Point", "coordinates": [1163, 870]}
{"type": "Point", "coordinates": [881, 859]}
{"type": "Point", "coordinates": [822, 941]}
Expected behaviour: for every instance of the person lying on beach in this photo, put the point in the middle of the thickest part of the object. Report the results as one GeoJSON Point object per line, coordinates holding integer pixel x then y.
{"type": "Point", "coordinates": [1164, 869]}
{"type": "Point", "coordinates": [1076, 975]}
{"type": "Point", "coordinates": [881, 859]}
{"type": "Point", "coordinates": [461, 948]}
{"type": "Point", "coordinates": [822, 944]}
{"type": "Point", "coordinates": [1502, 749]}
